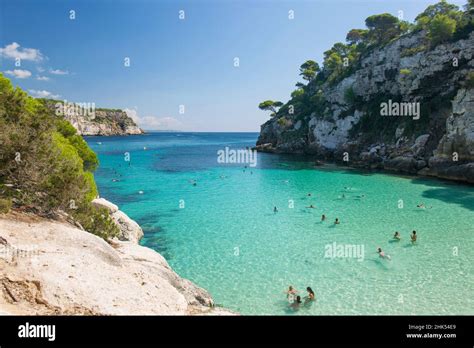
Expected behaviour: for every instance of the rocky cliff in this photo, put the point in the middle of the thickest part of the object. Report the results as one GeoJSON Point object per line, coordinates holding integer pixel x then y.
{"type": "Point", "coordinates": [89, 120]}
{"type": "Point", "coordinates": [351, 129]}
{"type": "Point", "coordinates": [51, 267]}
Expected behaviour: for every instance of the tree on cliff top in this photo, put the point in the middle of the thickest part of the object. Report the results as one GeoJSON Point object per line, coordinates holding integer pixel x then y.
{"type": "Point", "coordinates": [270, 105]}
{"type": "Point", "coordinates": [308, 70]}
{"type": "Point", "coordinates": [382, 27]}
{"type": "Point", "coordinates": [441, 29]}
{"type": "Point", "coordinates": [356, 36]}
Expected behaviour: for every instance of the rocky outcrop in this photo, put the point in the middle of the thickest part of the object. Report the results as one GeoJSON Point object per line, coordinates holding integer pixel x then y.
{"type": "Point", "coordinates": [89, 120]}
{"type": "Point", "coordinates": [52, 268]}
{"type": "Point", "coordinates": [353, 130]}
{"type": "Point", "coordinates": [105, 122]}
{"type": "Point", "coordinates": [129, 229]}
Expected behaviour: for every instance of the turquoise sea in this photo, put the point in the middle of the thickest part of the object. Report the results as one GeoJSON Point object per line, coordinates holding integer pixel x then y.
{"type": "Point", "coordinates": [223, 235]}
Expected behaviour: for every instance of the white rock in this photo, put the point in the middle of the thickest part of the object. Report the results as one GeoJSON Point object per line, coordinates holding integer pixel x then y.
{"type": "Point", "coordinates": [69, 271]}
{"type": "Point", "coordinates": [103, 203]}
{"type": "Point", "coordinates": [129, 229]}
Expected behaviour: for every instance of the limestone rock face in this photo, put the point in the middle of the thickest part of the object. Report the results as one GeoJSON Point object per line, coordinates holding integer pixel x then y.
{"type": "Point", "coordinates": [129, 229]}
{"type": "Point", "coordinates": [53, 268]}
{"type": "Point", "coordinates": [105, 122]}
{"type": "Point", "coordinates": [441, 143]}
{"type": "Point", "coordinates": [459, 135]}
{"type": "Point", "coordinates": [91, 121]}
{"type": "Point", "coordinates": [103, 203]}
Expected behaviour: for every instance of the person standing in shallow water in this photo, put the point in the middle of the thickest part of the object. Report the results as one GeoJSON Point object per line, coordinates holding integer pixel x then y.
{"type": "Point", "coordinates": [337, 222]}
{"type": "Point", "coordinates": [323, 217]}
{"type": "Point", "coordinates": [311, 295]}
{"type": "Point", "coordinates": [275, 210]}
{"type": "Point", "coordinates": [413, 237]}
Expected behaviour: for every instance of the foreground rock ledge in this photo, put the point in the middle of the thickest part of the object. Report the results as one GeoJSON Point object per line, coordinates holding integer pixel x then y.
{"type": "Point", "coordinates": [53, 268]}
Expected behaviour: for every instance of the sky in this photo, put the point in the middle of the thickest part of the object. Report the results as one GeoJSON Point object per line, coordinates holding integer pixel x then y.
{"type": "Point", "coordinates": [207, 71]}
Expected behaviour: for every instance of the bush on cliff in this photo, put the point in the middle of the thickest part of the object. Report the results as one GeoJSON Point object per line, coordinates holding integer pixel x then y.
{"type": "Point", "coordinates": [46, 166]}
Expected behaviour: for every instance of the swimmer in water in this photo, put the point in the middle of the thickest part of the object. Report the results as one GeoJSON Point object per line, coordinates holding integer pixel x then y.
{"type": "Point", "coordinates": [291, 292]}
{"type": "Point", "coordinates": [422, 206]}
{"type": "Point", "coordinates": [337, 222]}
{"type": "Point", "coordinates": [309, 194]}
{"type": "Point", "coordinates": [311, 206]}
{"type": "Point", "coordinates": [413, 236]}
{"type": "Point", "coordinates": [397, 236]}
{"type": "Point", "coordinates": [382, 254]}
{"type": "Point", "coordinates": [275, 210]}
{"type": "Point", "coordinates": [311, 296]}
{"type": "Point", "coordinates": [296, 303]}
{"type": "Point", "coordinates": [323, 217]}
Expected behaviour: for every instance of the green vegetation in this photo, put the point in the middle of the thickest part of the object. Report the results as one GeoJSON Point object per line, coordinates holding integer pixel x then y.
{"type": "Point", "coordinates": [308, 70]}
{"type": "Point", "coordinates": [270, 105]}
{"type": "Point", "coordinates": [441, 29]}
{"type": "Point", "coordinates": [443, 22]}
{"type": "Point", "coordinates": [470, 80]}
{"type": "Point", "coordinates": [46, 167]}
{"type": "Point", "coordinates": [5, 205]}
{"type": "Point", "coordinates": [413, 50]}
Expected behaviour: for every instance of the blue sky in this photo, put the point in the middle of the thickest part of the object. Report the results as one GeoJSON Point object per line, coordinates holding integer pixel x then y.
{"type": "Point", "coordinates": [177, 62]}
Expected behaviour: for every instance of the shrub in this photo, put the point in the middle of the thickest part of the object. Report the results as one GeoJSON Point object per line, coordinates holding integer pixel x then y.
{"type": "Point", "coordinates": [470, 80]}
{"type": "Point", "coordinates": [441, 29]}
{"type": "Point", "coordinates": [349, 96]}
{"type": "Point", "coordinates": [5, 205]}
{"type": "Point", "coordinates": [47, 165]}
{"type": "Point", "coordinates": [405, 72]}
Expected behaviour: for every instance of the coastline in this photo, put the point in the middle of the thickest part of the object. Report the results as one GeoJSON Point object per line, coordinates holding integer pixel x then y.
{"type": "Point", "coordinates": [50, 267]}
{"type": "Point", "coordinates": [462, 174]}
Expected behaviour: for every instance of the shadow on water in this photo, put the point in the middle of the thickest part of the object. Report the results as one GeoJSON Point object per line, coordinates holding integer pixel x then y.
{"type": "Point", "coordinates": [448, 192]}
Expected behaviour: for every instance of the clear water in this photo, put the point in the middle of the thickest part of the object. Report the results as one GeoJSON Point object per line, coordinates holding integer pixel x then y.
{"type": "Point", "coordinates": [228, 240]}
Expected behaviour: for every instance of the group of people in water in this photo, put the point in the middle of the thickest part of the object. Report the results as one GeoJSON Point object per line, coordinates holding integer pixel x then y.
{"type": "Point", "coordinates": [295, 300]}
{"type": "Point", "coordinates": [396, 237]}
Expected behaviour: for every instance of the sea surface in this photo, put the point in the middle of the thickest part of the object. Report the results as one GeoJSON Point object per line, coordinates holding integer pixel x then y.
{"type": "Point", "coordinates": [215, 224]}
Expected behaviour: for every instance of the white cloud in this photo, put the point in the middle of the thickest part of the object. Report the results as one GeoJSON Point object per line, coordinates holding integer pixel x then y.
{"type": "Point", "coordinates": [13, 51]}
{"type": "Point", "coordinates": [40, 69]}
{"type": "Point", "coordinates": [153, 122]}
{"type": "Point", "coordinates": [43, 94]}
{"type": "Point", "coordinates": [58, 72]}
{"type": "Point", "coordinates": [19, 73]}
{"type": "Point", "coordinates": [42, 78]}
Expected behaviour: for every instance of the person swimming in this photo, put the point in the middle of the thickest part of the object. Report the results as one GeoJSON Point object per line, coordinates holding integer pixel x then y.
{"type": "Point", "coordinates": [413, 236]}
{"type": "Point", "coordinates": [311, 295]}
{"type": "Point", "coordinates": [323, 217]}
{"type": "Point", "coordinates": [291, 292]}
{"type": "Point", "coordinates": [336, 222]}
{"type": "Point", "coordinates": [309, 194]}
{"type": "Point", "coordinates": [275, 209]}
{"type": "Point", "coordinates": [311, 206]}
{"type": "Point", "coordinates": [421, 205]}
{"type": "Point", "coordinates": [296, 303]}
{"type": "Point", "coordinates": [397, 236]}
{"type": "Point", "coordinates": [382, 254]}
